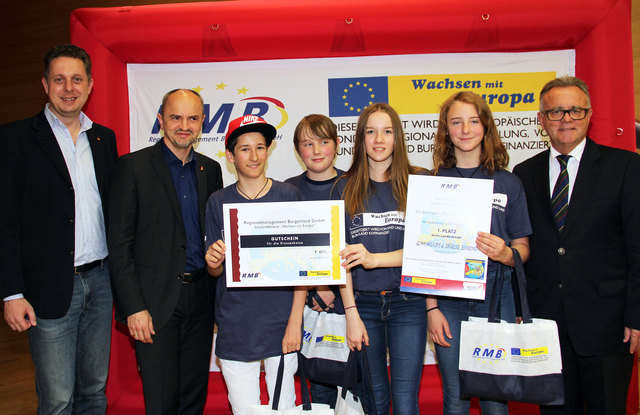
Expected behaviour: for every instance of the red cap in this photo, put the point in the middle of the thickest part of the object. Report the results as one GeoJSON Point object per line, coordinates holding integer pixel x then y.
{"type": "Point", "coordinates": [247, 124]}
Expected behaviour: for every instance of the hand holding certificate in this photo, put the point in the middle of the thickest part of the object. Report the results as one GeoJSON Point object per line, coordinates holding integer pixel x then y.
{"type": "Point", "coordinates": [444, 216]}
{"type": "Point", "coordinates": [284, 243]}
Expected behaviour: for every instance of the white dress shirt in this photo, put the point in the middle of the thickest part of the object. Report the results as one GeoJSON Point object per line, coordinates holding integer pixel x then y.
{"type": "Point", "coordinates": [90, 235]}
{"type": "Point", "coordinates": [572, 166]}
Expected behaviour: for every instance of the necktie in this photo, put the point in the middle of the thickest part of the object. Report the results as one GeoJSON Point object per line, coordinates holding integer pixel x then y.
{"type": "Point", "coordinates": [560, 195]}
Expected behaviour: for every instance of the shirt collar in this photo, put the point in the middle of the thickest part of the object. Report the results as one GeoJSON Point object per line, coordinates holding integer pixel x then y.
{"type": "Point", "coordinates": [576, 153]}
{"type": "Point", "coordinates": [171, 158]}
{"type": "Point", "coordinates": [85, 122]}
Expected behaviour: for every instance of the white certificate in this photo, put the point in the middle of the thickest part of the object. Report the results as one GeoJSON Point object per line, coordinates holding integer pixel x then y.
{"type": "Point", "coordinates": [284, 243]}
{"type": "Point", "coordinates": [444, 216]}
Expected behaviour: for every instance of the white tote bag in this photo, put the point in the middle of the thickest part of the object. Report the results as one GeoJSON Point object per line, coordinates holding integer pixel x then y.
{"type": "Point", "coordinates": [307, 408]}
{"type": "Point", "coordinates": [511, 362]}
{"type": "Point", "coordinates": [324, 346]}
{"type": "Point", "coordinates": [507, 361]}
{"type": "Point", "coordinates": [347, 403]}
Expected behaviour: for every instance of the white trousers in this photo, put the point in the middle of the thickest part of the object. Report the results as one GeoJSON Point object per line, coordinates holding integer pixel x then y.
{"type": "Point", "coordinates": [243, 382]}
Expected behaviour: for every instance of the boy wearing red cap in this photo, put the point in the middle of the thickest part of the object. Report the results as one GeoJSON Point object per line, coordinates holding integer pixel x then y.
{"type": "Point", "coordinates": [254, 324]}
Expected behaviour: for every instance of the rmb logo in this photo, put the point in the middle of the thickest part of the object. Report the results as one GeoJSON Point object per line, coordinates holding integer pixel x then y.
{"type": "Point", "coordinates": [306, 336]}
{"type": "Point", "coordinates": [250, 275]}
{"type": "Point", "coordinates": [216, 119]}
{"type": "Point", "coordinates": [489, 353]}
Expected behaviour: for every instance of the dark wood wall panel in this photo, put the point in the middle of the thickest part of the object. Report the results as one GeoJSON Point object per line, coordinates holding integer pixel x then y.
{"type": "Point", "coordinates": [28, 28]}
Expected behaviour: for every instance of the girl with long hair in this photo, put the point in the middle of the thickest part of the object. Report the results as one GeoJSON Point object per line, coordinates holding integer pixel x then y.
{"type": "Point", "coordinates": [375, 193]}
{"type": "Point", "coordinates": [467, 145]}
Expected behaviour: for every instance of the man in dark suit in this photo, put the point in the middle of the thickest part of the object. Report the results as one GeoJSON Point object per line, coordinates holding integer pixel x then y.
{"type": "Point", "coordinates": [156, 240]}
{"type": "Point", "coordinates": [584, 268]}
{"type": "Point", "coordinates": [54, 278]}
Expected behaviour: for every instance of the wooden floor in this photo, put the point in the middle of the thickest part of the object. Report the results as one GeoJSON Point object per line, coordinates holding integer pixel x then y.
{"type": "Point", "coordinates": [17, 388]}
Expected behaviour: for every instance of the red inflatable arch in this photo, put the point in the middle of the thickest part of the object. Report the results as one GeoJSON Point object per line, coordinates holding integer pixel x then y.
{"type": "Point", "coordinates": [598, 30]}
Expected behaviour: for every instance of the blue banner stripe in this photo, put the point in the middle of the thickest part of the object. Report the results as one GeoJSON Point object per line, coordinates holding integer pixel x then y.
{"type": "Point", "coordinates": [349, 96]}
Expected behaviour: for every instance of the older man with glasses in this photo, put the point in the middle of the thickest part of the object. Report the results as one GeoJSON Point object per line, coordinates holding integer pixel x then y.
{"type": "Point", "coordinates": [584, 269]}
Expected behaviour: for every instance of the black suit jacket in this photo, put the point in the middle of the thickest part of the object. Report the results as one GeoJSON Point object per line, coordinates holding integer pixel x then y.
{"type": "Point", "coordinates": [37, 234]}
{"type": "Point", "coordinates": [147, 240]}
{"type": "Point", "coordinates": [587, 278]}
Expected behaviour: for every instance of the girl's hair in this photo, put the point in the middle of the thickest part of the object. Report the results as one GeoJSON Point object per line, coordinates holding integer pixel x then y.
{"type": "Point", "coordinates": [356, 190]}
{"type": "Point", "coordinates": [315, 125]}
{"type": "Point", "coordinates": [493, 156]}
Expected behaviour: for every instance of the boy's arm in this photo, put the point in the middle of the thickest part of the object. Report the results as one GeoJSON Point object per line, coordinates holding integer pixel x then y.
{"type": "Point", "coordinates": [215, 258]}
{"type": "Point", "coordinates": [293, 333]}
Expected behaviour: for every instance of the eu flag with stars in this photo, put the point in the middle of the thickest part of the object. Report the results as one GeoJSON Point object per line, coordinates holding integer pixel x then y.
{"type": "Point", "coordinates": [349, 96]}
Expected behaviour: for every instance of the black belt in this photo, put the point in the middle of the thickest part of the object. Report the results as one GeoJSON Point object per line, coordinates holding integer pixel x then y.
{"type": "Point", "coordinates": [189, 277]}
{"type": "Point", "coordinates": [88, 267]}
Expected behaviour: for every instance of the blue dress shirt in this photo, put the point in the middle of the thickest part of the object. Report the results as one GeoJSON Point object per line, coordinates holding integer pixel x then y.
{"type": "Point", "coordinates": [184, 180]}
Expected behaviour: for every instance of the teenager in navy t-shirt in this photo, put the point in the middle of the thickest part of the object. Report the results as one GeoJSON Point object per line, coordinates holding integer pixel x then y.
{"type": "Point", "coordinates": [467, 145]}
{"type": "Point", "coordinates": [254, 324]}
{"type": "Point", "coordinates": [316, 142]}
{"type": "Point", "coordinates": [375, 193]}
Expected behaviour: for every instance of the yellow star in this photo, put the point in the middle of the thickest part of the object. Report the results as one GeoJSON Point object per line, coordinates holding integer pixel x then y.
{"type": "Point", "coordinates": [344, 97]}
{"type": "Point", "coordinates": [370, 89]}
{"type": "Point", "coordinates": [358, 110]}
{"type": "Point", "coordinates": [221, 85]}
{"type": "Point", "coordinates": [358, 83]}
{"type": "Point", "coordinates": [351, 108]}
{"type": "Point", "coordinates": [373, 96]}
{"type": "Point", "coordinates": [243, 90]}
{"type": "Point", "coordinates": [197, 89]}
{"type": "Point", "coordinates": [221, 154]}
{"type": "Point", "coordinates": [346, 90]}
{"type": "Point", "coordinates": [346, 104]}
{"type": "Point", "coordinates": [350, 85]}
{"type": "Point", "coordinates": [364, 85]}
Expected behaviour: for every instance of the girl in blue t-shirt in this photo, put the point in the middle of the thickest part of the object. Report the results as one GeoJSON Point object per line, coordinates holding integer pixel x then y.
{"type": "Point", "coordinates": [375, 193]}
{"type": "Point", "coordinates": [467, 145]}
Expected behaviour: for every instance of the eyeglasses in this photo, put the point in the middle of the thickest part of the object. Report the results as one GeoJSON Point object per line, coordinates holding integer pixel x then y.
{"type": "Point", "coordinates": [557, 114]}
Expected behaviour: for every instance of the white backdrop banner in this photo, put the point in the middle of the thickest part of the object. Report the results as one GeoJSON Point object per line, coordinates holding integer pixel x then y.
{"type": "Point", "coordinates": [284, 91]}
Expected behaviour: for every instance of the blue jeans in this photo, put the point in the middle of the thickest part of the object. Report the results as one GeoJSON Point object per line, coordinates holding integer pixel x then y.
{"type": "Point", "coordinates": [321, 393]}
{"type": "Point", "coordinates": [396, 322]}
{"type": "Point", "coordinates": [71, 353]}
{"type": "Point", "coordinates": [455, 311]}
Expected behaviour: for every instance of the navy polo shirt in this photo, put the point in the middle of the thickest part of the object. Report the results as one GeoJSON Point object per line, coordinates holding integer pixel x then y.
{"type": "Point", "coordinates": [184, 180]}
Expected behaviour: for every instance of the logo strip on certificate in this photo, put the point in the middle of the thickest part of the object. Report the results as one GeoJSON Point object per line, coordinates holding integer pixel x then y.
{"type": "Point", "coordinates": [235, 248]}
{"type": "Point", "coordinates": [335, 240]}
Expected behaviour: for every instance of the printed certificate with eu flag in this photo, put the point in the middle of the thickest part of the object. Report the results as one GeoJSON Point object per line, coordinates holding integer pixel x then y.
{"type": "Point", "coordinates": [284, 243]}
{"type": "Point", "coordinates": [443, 218]}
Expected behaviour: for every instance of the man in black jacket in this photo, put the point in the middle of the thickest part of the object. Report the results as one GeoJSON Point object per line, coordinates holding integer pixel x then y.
{"type": "Point", "coordinates": [584, 268]}
{"type": "Point", "coordinates": [54, 275]}
{"type": "Point", "coordinates": [156, 241]}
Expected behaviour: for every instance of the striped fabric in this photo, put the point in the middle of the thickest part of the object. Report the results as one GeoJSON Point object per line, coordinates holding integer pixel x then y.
{"type": "Point", "coordinates": [560, 195]}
